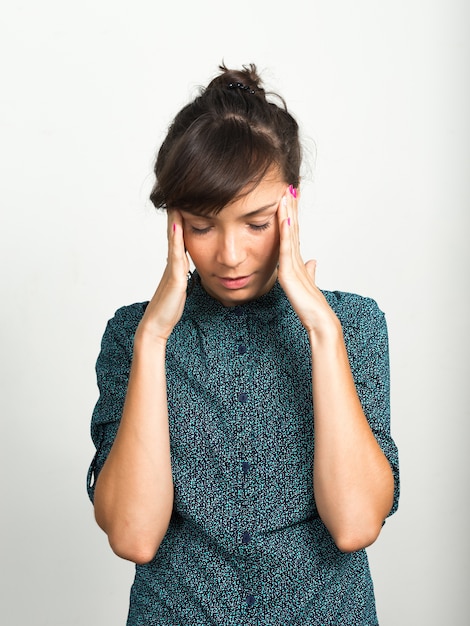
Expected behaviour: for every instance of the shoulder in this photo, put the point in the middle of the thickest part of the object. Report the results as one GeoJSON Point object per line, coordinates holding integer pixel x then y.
{"type": "Point", "coordinates": [122, 326]}
{"type": "Point", "coordinates": [361, 318]}
{"type": "Point", "coordinates": [129, 315]}
{"type": "Point", "coordinates": [351, 307]}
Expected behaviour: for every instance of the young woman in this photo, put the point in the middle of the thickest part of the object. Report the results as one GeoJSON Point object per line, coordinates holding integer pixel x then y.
{"type": "Point", "coordinates": [244, 458]}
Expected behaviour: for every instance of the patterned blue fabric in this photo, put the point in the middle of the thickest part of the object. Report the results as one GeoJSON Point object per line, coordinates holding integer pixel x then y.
{"type": "Point", "coordinates": [245, 545]}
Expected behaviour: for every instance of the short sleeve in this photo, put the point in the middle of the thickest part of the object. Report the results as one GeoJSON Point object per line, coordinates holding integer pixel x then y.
{"type": "Point", "coordinates": [112, 373]}
{"type": "Point", "coordinates": [366, 337]}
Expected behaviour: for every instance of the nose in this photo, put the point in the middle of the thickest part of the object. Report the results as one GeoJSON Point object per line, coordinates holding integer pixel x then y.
{"type": "Point", "coordinates": [231, 251]}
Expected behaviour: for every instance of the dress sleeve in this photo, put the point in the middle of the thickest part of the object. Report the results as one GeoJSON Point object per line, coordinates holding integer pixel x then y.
{"type": "Point", "coordinates": [366, 339]}
{"type": "Point", "coordinates": [112, 373]}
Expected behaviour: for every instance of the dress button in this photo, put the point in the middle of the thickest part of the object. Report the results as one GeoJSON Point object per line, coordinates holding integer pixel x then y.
{"type": "Point", "coordinates": [238, 311]}
{"type": "Point", "coordinates": [246, 538]}
{"type": "Point", "coordinates": [242, 396]}
{"type": "Point", "coordinates": [246, 467]}
{"type": "Point", "coordinates": [250, 600]}
{"type": "Point", "coordinates": [241, 349]}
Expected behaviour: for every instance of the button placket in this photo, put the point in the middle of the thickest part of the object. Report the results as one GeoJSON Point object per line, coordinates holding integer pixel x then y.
{"type": "Point", "coordinates": [245, 470]}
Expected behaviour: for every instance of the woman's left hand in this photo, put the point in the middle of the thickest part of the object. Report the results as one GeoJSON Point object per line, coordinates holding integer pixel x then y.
{"type": "Point", "coordinates": [352, 479]}
{"type": "Point", "coordinates": [296, 277]}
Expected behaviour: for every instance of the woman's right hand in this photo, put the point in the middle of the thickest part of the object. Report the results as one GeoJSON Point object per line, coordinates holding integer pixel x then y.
{"type": "Point", "coordinates": [166, 307]}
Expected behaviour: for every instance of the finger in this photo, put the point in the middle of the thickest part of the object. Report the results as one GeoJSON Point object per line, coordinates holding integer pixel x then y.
{"type": "Point", "coordinates": [177, 225]}
{"type": "Point", "coordinates": [293, 210]}
{"type": "Point", "coordinates": [284, 227]}
{"type": "Point", "coordinates": [311, 267]}
{"type": "Point", "coordinates": [176, 248]}
{"type": "Point", "coordinates": [170, 218]}
{"type": "Point", "coordinates": [282, 213]}
{"type": "Point", "coordinates": [179, 236]}
{"type": "Point", "coordinates": [174, 219]}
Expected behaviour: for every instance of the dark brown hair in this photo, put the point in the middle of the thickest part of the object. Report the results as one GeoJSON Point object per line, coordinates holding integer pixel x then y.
{"type": "Point", "coordinates": [224, 142]}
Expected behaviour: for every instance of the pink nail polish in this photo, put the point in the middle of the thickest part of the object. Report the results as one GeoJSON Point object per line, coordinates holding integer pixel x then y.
{"type": "Point", "coordinates": [288, 221]}
{"type": "Point", "coordinates": [293, 191]}
{"type": "Point", "coordinates": [174, 227]}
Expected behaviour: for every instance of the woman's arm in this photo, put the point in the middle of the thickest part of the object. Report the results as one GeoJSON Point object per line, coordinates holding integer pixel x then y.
{"type": "Point", "coordinates": [353, 480]}
{"type": "Point", "coordinates": [134, 490]}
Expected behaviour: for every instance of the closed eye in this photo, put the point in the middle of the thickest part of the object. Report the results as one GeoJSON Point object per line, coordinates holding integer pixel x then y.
{"type": "Point", "coordinates": [206, 229]}
{"type": "Point", "coordinates": [200, 231]}
{"type": "Point", "coordinates": [260, 226]}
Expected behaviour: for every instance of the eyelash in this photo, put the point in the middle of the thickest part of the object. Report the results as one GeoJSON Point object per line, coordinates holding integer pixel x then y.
{"type": "Point", "coordinates": [200, 231]}
{"type": "Point", "coordinates": [260, 226]}
{"type": "Point", "coordinates": [255, 227]}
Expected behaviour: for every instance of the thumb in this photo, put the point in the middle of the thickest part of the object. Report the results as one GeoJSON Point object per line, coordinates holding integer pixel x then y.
{"type": "Point", "coordinates": [311, 267]}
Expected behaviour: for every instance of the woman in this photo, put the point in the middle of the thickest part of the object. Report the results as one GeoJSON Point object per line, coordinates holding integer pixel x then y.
{"type": "Point", "coordinates": [244, 458]}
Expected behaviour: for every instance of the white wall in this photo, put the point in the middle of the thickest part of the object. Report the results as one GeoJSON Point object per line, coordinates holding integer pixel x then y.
{"type": "Point", "coordinates": [88, 88]}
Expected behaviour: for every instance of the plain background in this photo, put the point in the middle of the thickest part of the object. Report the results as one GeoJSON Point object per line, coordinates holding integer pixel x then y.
{"type": "Point", "coordinates": [88, 89]}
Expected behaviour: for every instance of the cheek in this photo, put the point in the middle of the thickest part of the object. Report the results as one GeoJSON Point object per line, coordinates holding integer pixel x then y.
{"type": "Point", "coordinates": [195, 248]}
{"type": "Point", "coordinates": [189, 245]}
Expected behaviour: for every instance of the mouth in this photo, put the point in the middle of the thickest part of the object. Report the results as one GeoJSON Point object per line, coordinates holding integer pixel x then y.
{"type": "Point", "coordinates": [237, 282]}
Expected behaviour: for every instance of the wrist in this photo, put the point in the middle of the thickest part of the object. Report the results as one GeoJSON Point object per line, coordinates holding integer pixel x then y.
{"type": "Point", "coordinates": [146, 338]}
{"type": "Point", "coordinates": [329, 332]}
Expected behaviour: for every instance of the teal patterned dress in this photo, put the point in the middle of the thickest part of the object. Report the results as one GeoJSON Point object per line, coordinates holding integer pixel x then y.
{"type": "Point", "coordinates": [245, 545]}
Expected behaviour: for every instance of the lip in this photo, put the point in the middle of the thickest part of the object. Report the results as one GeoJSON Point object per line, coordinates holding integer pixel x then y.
{"type": "Point", "coordinates": [234, 283]}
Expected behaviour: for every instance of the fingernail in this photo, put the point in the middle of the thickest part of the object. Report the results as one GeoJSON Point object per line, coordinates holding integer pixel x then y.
{"type": "Point", "coordinates": [288, 221]}
{"type": "Point", "coordinates": [174, 227]}
{"type": "Point", "coordinates": [293, 191]}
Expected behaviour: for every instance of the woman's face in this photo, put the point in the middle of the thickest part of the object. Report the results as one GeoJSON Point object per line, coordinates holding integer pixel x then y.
{"type": "Point", "coordinates": [236, 251]}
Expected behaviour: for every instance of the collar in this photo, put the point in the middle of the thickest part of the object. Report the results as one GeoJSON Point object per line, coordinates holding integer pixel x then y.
{"type": "Point", "coordinates": [203, 307]}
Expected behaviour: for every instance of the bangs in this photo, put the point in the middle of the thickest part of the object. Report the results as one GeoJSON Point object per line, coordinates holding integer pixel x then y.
{"type": "Point", "coordinates": [214, 163]}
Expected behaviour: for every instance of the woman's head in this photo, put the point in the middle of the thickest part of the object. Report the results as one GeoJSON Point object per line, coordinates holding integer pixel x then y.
{"type": "Point", "coordinates": [223, 143]}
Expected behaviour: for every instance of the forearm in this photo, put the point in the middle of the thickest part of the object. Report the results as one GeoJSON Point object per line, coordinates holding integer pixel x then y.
{"type": "Point", "coordinates": [353, 481]}
{"type": "Point", "coordinates": [134, 490]}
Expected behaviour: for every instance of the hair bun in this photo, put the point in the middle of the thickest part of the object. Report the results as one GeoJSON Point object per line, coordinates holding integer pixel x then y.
{"type": "Point", "coordinates": [224, 142]}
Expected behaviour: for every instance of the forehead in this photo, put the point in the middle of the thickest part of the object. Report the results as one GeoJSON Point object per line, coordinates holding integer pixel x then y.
{"type": "Point", "coordinates": [259, 196]}
{"type": "Point", "coordinates": [266, 193]}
